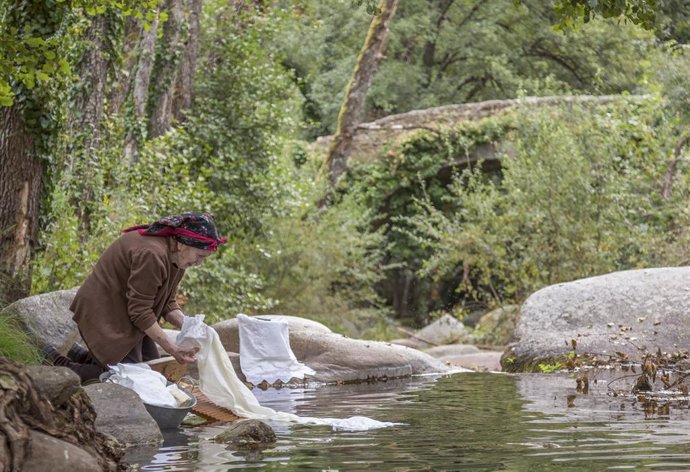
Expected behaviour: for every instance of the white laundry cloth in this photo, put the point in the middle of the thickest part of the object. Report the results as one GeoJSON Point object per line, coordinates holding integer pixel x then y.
{"type": "Point", "coordinates": [218, 381]}
{"type": "Point", "coordinates": [151, 386]}
{"type": "Point", "coordinates": [265, 352]}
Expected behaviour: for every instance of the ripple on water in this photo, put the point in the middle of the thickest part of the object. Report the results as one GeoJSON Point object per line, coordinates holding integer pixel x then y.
{"type": "Point", "coordinates": [469, 421]}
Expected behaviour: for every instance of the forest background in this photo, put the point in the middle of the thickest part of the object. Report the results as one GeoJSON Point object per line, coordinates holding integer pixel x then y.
{"type": "Point", "coordinates": [115, 113]}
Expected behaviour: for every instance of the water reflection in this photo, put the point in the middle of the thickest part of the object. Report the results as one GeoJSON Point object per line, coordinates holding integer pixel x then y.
{"type": "Point", "coordinates": [471, 421]}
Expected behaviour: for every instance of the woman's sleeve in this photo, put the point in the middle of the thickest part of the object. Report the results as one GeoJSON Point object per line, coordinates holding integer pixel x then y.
{"type": "Point", "coordinates": [172, 303]}
{"type": "Point", "coordinates": [146, 278]}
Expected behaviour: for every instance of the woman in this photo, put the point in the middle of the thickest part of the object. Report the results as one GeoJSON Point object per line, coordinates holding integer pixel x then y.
{"type": "Point", "coordinates": [133, 285]}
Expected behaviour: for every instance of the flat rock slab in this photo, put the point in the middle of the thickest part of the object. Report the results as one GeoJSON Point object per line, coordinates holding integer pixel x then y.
{"type": "Point", "coordinates": [47, 318]}
{"type": "Point", "coordinates": [628, 312]}
{"type": "Point", "coordinates": [336, 358]}
{"type": "Point", "coordinates": [121, 414]}
{"type": "Point", "coordinates": [452, 350]}
{"type": "Point", "coordinates": [485, 361]}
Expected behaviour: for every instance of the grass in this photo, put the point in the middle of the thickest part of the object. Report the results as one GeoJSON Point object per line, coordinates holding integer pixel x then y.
{"type": "Point", "coordinates": [15, 343]}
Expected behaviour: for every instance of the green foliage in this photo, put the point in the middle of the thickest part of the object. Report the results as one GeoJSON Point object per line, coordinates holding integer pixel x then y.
{"type": "Point", "coordinates": [640, 12]}
{"type": "Point", "coordinates": [578, 196]}
{"type": "Point", "coordinates": [420, 168]}
{"type": "Point", "coordinates": [67, 255]}
{"type": "Point", "coordinates": [36, 38]}
{"type": "Point", "coordinates": [456, 52]}
{"type": "Point", "coordinates": [15, 343]}
{"type": "Point", "coordinates": [550, 368]}
{"type": "Point", "coordinates": [319, 264]}
{"type": "Point", "coordinates": [224, 287]}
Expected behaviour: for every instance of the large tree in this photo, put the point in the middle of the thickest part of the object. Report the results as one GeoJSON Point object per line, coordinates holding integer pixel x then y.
{"type": "Point", "coordinates": [41, 48]}
{"type": "Point", "coordinates": [352, 109]}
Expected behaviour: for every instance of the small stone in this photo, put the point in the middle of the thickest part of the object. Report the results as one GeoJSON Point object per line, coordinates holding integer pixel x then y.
{"type": "Point", "coordinates": [247, 433]}
{"type": "Point", "coordinates": [193, 420]}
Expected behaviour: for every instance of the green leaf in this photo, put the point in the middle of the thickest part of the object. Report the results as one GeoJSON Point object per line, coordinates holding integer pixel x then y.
{"type": "Point", "coordinates": [34, 42]}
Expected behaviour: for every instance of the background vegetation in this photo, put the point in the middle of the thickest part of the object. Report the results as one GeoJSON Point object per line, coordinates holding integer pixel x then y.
{"type": "Point", "coordinates": [411, 233]}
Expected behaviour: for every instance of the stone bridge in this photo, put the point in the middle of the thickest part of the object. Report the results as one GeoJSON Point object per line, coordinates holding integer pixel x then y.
{"type": "Point", "coordinates": [371, 137]}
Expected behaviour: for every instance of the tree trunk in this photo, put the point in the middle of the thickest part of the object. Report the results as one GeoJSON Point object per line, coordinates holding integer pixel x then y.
{"type": "Point", "coordinates": [352, 109]}
{"type": "Point", "coordinates": [84, 124]}
{"type": "Point", "coordinates": [165, 69]}
{"type": "Point", "coordinates": [671, 172]}
{"type": "Point", "coordinates": [20, 195]}
{"type": "Point", "coordinates": [182, 99]}
{"type": "Point", "coordinates": [140, 91]}
{"type": "Point", "coordinates": [122, 80]}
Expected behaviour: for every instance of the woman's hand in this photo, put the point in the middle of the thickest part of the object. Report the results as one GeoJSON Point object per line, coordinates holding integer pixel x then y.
{"type": "Point", "coordinates": [182, 356]}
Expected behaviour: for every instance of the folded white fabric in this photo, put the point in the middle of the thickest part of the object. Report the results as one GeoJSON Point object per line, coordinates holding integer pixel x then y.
{"type": "Point", "coordinates": [265, 352]}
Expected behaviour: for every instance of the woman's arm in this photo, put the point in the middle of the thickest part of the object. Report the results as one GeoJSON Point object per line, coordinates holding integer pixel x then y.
{"type": "Point", "coordinates": [175, 317]}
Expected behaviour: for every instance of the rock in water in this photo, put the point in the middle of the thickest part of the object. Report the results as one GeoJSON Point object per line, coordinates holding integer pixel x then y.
{"type": "Point", "coordinates": [336, 358]}
{"type": "Point", "coordinates": [629, 312]}
{"type": "Point", "coordinates": [122, 414]}
{"type": "Point", "coordinates": [247, 433]}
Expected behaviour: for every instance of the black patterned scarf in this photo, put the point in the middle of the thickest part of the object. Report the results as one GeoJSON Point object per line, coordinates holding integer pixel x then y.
{"type": "Point", "coordinates": [192, 229]}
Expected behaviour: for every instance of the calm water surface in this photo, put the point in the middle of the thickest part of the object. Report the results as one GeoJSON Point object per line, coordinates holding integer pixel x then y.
{"type": "Point", "coordinates": [464, 422]}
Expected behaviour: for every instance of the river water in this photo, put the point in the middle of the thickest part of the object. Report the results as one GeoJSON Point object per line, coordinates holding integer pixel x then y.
{"type": "Point", "coordinates": [460, 422]}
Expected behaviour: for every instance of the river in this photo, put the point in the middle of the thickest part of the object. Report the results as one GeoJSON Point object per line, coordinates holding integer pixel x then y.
{"type": "Point", "coordinates": [460, 422]}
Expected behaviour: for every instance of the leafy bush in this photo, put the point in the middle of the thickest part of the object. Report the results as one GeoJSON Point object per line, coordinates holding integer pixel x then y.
{"type": "Point", "coordinates": [579, 195]}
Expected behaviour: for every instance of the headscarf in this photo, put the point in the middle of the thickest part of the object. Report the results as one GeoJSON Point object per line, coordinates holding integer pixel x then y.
{"type": "Point", "coordinates": [191, 228]}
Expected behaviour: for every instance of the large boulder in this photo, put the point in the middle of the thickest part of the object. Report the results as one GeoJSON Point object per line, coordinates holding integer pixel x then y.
{"type": "Point", "coordinates": [630, 313]}
{"type": "Point", "coordinates": [121, 414]}
{"type": "Point", "coordinates": [47, 318]}
{"type": "Point", "coordinates": [57, 384]}
{"type": "Point", "coordinates": [336, 358]}
{"type": "Point", "coordinates": [48, 453]}
{"type": "Point", "coordinates": [445, 330]}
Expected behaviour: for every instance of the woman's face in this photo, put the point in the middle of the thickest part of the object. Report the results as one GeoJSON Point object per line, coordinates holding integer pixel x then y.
{"type": "Point", "coordinates": [189, 256]}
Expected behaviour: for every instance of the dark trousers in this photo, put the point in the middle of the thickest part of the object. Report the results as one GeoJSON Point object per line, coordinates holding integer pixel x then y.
{"type": "Point", "coordinates": [87, 367]}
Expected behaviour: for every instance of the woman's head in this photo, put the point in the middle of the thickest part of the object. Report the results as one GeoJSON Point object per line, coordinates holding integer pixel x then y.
{"type": "Point", "coordinates": [193, 229]}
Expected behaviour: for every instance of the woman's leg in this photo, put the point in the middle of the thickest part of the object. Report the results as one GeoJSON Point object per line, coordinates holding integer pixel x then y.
{"type": "Point", "coordinates": [87, 367]}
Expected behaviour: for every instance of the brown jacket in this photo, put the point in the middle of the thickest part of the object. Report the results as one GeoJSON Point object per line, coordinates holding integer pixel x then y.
{"type": "Point", "coordinates": [131, 287]}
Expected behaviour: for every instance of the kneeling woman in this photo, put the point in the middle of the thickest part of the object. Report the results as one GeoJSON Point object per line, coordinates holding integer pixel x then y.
{"type": "Point", "coordinates": [133, 285]}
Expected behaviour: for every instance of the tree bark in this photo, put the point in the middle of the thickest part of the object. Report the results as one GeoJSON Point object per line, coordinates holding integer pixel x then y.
{"type": "Point", "coordinates": [671, 171]}
{"type": "Point", "coordinates": [122, 80]}
{"type": "Point", "coordinates": [352, 109]}
{"type": "Point", "coordinates": [20, 196]}
{"type": "Point", "coordinates": [165, 69]}
{"type": "Point", "coordinates": [182, 100]}
{"type": "Point", "coordinates": [140, 90]}
{"type": "Point", "coordinates": [84, 123]}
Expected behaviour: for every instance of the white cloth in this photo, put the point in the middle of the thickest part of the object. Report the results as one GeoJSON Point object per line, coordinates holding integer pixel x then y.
{"type": "Point", "coordinates": [265, 352]}
{"type": "Point", "coordinates": [218, 381]}
{"type": "Point", "coordinates": [151, 386]}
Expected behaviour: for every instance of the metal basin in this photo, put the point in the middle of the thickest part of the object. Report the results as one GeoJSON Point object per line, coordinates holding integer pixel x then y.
{"type": "Point", "coordinates": [169, 417]}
